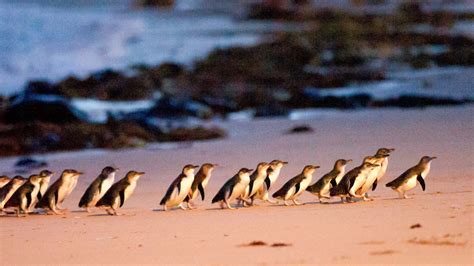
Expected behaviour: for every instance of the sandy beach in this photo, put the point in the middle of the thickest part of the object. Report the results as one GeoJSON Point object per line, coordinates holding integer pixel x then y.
{"type": "Point", "coordinates": [360, 233]}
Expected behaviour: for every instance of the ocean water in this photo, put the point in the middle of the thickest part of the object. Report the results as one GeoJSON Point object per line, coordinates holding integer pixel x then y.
{"type": "Point", "coordinates": [52, 39]}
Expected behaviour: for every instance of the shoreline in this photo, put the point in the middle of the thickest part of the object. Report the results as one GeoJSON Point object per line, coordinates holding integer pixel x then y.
{"type": "Point", "coordinates": [372, 232]}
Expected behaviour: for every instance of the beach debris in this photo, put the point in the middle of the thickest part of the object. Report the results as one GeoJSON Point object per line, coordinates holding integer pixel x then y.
{"type": "Point", "coordinates": [301, 129]}
{"type": "Point", "coordinates": [372, 242]}
{"type": "Point", "coordinates": [415, 226]}
{"type": "Point", "coordinates": [445, 240]}
{"type": "Point", "coordinates": [255, 243]}
{"type": "Point", "coordinates": [383, 252]}
{"type": "Point", "coordinates": [280, 244]}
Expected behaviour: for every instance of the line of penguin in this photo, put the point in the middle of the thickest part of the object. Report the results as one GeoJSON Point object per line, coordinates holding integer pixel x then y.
{"type": "Point", "coordinates": [21, 196]}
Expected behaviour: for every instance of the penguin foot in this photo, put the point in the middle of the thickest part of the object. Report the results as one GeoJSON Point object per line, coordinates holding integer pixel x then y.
{"type": "Point", "coordinates": [191, 207]}
{"type": "Point", "coordinates": [271, 201]}
{"type": "Point", "coordinates": [297, 203]}
{"type": "Point", "coordinates": [88, 210]}
{"type": "Point", "coordinates": [181, 205]}
{"type": "Point", "coordinates": [286, 203]}
{"type": "Point", "coordinates": [165, 208]}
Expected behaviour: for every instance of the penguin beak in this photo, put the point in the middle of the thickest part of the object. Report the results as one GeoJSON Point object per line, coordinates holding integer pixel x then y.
{"type": "Point", "coordinates": [284, 163]}
{"type": "Point", "coordinates": [250, 170]}
{"type": "Point", "coordinates": [195, 166]}
{"type": "Point", "coordinates": [116, 168]}
{"type": "Point", "coordinates": [434, 157]}
{"type": "Point", "coordinates": [79, 173]}
{"type": "Point", "coordinates": [215, 165]}
{"type": "Point", "coordinates": [141, 173]}
{"type": "Point", "coordinates": [391, 149]}
{"type": "Point", "coordinates": [316, 166]}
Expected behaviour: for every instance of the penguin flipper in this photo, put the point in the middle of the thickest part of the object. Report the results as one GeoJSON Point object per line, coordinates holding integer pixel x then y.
{"type": "Point", "coordinates": [250, 187]}
{"type": "Point", "coordinates": [122, 197]}
{"type": "Point", "coordinates": [28, 200]}
{"type": "Point", "coordinates": [333, 182]}
{"type": "Point", "coordinates": [268, 182]}
{"type": "Point", "coordinates": [374, 185]}
{"type": "Point", "coordinates": [39, 196]}
{"type": "Point", "coordinates": [297, 188]}
{"type": "Point", "coordinates": [421, 181]}
{"type": "Point", "coordinates": [201, 191]}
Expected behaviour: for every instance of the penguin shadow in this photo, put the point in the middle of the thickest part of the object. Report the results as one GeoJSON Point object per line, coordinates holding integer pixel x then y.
{"type": "Point", "coordinates": [108, 215]}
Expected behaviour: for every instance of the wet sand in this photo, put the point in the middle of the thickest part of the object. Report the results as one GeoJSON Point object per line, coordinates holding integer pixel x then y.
{"type": "Point", "coordinates": [364, 232]}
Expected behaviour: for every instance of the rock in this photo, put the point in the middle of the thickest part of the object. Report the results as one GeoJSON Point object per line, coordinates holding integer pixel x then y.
{"type": "Point", "coordinates": [301, 129]}
{"type": "Point", "coordinates": [46, 108]}
{"type": "Point", "coordinates": [169, 107]}
{"type": "Point", "coordinates": [30, 163]}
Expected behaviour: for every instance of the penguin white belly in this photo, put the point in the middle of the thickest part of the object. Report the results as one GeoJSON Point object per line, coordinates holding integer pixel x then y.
{"type": "Point", "coordinates": [106, 184]}
{"type": "Point", "coordinates": [34, 197]}
{"type": "Point", "coordinates": [177, 198]}
{"type": "Point", "coordinates": [290, 193]}
{"type": "Point", "coordinates": [325, 190]}
{"type": "Point", "coordinates": [72, 185]}
{"type": "Point", "coordinates": [382, 169]}
{"type": "Point", "coordinates": [129, 190]}
{"type": "Point", "coordinates": [359, 181]}
{"type": "Point", "coordinates": [371, 177]}
{"type": "Point", "coordinates": [409, 184]}
{"type": "Point", "coordinates": [303, 185]}
{"type": "Point", "coordinates": [204, 182]}
{"type": "Point", "coordinates": [63, 192]}
{"type": "Point", "coordinates": [273, 176]}
{"type": "Point", "coordinates": [426, 171]}
{"type": "Point", "coordinates": [339, 177]}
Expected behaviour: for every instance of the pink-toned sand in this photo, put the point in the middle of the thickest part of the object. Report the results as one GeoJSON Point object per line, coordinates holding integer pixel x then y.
{"type": "Point", "coordinates": [364, 232]}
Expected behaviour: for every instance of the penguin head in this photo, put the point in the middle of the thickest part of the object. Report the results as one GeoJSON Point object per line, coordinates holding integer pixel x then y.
{"type": "Point", "coordinates": [209, 166]}
{"type": "Point", "coordinates": [46, 173]}
{"type": "Point", "coordinates": [309, 169]}
{"type": "Point", "coordinates": [4, 178]}
{"type": "Point", "coordinates": [385, 151]}
{"type": "Point", "coordinates": [244, 171]}
{"type": "Point", "coordinates": [189, 169]}
{"type": "Point", "coordinates": [368, 165]}
{"type": "Point", "coordinates": [262, 167]}
{"type": "Point", "coordinates": [427, 159]}
{"type": "Point", "coordinates": [342, 162]}
{"type": "Point", "coordinates": [18, 179]}
{"type": "Point", "coordinates": [277, 164]}
{"type": "Point", "coordinates": [71, 173]}
{"type": "Point", "coordinates": [109, 170]}
{"type": "Point", "coordinates": [34, 179]}
{"type": "Point", "coordinates": [134, 175]}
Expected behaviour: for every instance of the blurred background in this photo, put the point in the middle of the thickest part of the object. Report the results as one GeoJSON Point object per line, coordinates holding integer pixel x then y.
{"type": "Point", "coordinates": [77, 74]}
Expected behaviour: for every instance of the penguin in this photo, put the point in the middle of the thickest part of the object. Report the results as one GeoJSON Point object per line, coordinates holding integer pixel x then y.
{"type": "Point", "coordinates": [384, 166]}
{"type": "Point", "coordinates": [44, 183]}
{"type": "Point", "coordinates": [352, 181]}
{"type": "Point", "coordinates": [200, 182]}
{"type": "Point", "coordinates": [98, 188]}
{"type": "Point", "coordinates": [256, 182]}
{"type": "Point", "coordinates": [371, 179]}
{"type": "Point", "coordinates": [23, 197]}
{"type": "Point", "coordinates": [179, 188]}
{"type": "Point", "coordinates": [59, 191]}
{"type": "Point", "coordinates": [233, 188]}
{"type": "Point", "coordinates": [7, 191]}
{"type": "Point", "coordinates": [295, 186]}
{"type": "Point", "coordinates": [4, 180]}
{"type": "Point", "coordinates": [272, 175]}
{"type": "Point", "coordinates": [119, 192]}
{"type": "Point", "coordinates": [408, 179]}
{"type": "Point", "coordinates": [326, 182]}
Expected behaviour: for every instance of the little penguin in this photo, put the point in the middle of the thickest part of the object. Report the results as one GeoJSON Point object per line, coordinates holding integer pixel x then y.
{"type": "Point", "coordinates": [98, 187]}
{"type": "Point", "coordinates": [326, 182]}
{"type": "Point", "coordinates": [59, 191]}
{"type": "Point", "coordinates": [352, 181]}
{"type": "Point", "coordinates": [233, 188]}
{"type": "Point", "coordinates": [179, 188]}
{"type": "Point", "coordinates": [296, 185]}
{"type": "Point", "coordinates": [25, 195]}
{"type": "Point", "coordinates": [201, 179]}
{"type": "Point", "coordinates": [371, 179]}
{"type": "Point", "coordinates": [44, 183]}
{"type": "Point", "coordinates": [273, 173]}
{"type": "Point", "coordinates": [119, 192]}
{"type": "Point", "coordinates": [256, 182]}
{"type": "Point", "coordinates": [408, 179]}
{"type": "Point", "coordinates": [384, 166]}
{"type": "Point", "coordinates": [7, 191]}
